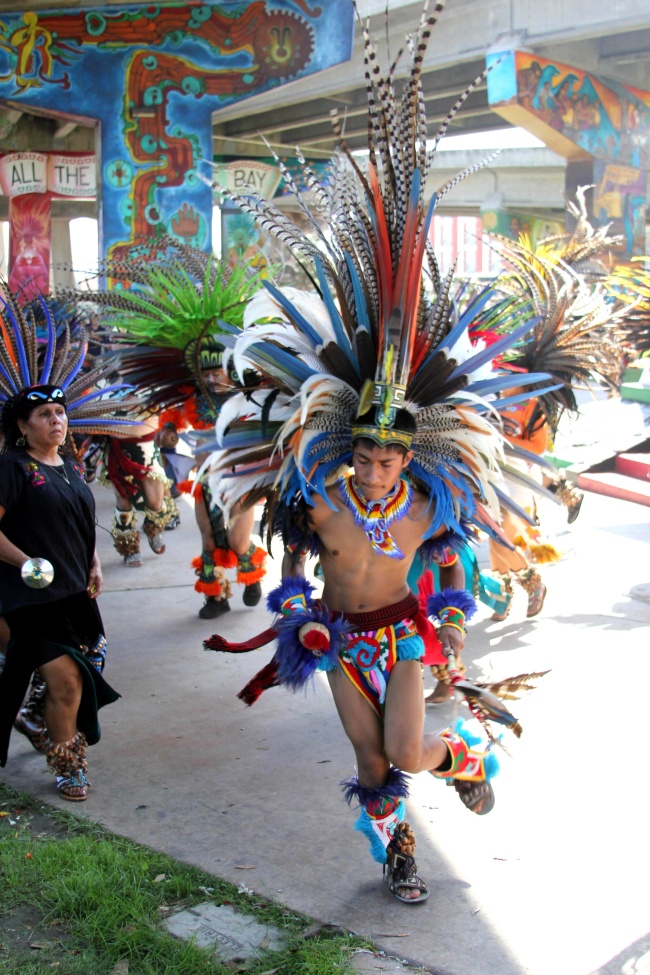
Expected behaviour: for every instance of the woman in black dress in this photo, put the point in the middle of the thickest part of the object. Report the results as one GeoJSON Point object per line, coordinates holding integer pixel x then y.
{"type": "Point", "coordinates": [47, 511]}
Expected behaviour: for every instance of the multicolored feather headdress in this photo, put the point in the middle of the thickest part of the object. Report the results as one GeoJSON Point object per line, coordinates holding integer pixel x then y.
{"type": "Point", "coordinates": [374, 343]}
{"type": "Point", "coordinates": [43, 351]}
{"type": "Point", "coordinates": [625, 283]}
{"type": "Point", "coordinates": [164, 315]}
{"type": "Point", "coordinates": [573, 340]}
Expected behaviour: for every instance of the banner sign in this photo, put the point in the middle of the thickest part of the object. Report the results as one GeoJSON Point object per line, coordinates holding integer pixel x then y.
{"type": "Point", "coordinates": [62, 174]}
{"type": "Point", "coordinates": [248, 176]}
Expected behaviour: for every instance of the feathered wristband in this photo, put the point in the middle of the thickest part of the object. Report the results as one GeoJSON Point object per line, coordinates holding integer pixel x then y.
{"type": "Point", "coordinates": [306, 631]}
{"type": "Point", "coordinates": [451, 607]}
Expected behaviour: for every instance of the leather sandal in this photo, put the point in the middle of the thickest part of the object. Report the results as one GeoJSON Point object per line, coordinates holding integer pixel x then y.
{"type": "Point", "coordinates": [401, 868]}
{"type": "Point", "coordinates": [478, 797]}
{"type": "Point", "coordinates": [73, 787]}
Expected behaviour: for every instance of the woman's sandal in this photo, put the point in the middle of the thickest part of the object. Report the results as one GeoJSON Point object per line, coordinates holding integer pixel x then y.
{"type": "Point", "coordinates": [478, 797]}
{"type": "Point", "coordinates": [73, 787]}
{"type": "Point", "coordinates": [401, 868]}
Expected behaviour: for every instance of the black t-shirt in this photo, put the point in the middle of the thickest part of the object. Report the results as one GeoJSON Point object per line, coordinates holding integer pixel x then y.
{"type": "Point", "coordinates": [46, 517]}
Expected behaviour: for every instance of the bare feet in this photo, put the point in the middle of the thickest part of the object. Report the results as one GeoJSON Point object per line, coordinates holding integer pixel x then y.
{"type": "Point", "coordinates": [440, 694]}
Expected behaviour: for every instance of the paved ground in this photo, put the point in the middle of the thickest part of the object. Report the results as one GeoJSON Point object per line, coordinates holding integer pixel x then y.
{"type": "Point", "coordinates": [553, 882]}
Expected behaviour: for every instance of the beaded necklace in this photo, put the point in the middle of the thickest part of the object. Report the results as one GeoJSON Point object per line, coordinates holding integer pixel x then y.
{"type": "Point", "coordinates": [375, 517]}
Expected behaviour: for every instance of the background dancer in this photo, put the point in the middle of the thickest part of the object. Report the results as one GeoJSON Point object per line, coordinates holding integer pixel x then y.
{"type": "Point", "coordinates": [133, 468]}
{"type": "Point", "coordinates": [167, 322]}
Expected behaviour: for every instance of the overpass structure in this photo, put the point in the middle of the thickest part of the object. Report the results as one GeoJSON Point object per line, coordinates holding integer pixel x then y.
{"type": "Point", "coordinates": [608, 38]}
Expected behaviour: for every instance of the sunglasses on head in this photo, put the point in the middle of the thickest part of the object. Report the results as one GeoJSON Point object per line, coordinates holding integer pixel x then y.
{"type": "Point", "coordinates": [36, 396]}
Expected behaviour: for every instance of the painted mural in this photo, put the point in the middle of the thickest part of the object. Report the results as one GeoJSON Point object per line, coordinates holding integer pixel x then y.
{"type": "Point", "coordinates": [517, 224]}
{"type": "Point", "coordinates": [151, 76]}
{"type": "Point", "coordinates": [570, 109]}
{"type": "Point", "coordinates": [620, 203]}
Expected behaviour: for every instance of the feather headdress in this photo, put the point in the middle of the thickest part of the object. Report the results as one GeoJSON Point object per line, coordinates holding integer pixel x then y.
{"type": "Point", "coordinates": [45, 346]}
{"type": "Point", "coordinates": [573, 340]}
{"type": "Point", "coordinates": [369, 353]}
{"type": "Point", "coordinates": [164, 316]}
{"type": "Point", "coordinates": [628, 290]}
{"type": "Point", "coordinates": [591, 253]}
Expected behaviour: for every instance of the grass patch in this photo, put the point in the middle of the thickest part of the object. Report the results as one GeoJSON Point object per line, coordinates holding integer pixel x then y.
{"type": "Point", "coordinates": [79, 900]}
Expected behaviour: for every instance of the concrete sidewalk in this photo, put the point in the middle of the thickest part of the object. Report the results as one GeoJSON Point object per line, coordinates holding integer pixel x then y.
{"type": "Point", "coordinates": [552, 882]}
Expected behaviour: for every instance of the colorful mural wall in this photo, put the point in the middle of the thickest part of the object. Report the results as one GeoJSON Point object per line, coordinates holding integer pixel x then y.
{"type": "Point", "coordinates": [515, 224]}
{"type": "Point", "coordinates": [619, 200]}
{"type": "Point", "coordinates": [150, 77]}
{"type": "Point", "coordinates": [582, 116]}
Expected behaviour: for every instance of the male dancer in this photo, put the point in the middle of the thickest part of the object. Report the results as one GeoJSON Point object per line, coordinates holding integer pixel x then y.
{"type": "Point", "coordinates": [367, 528]}
{"type": "Point", "coordinates": [369, 587]}
{"type": "Point", "coordinates": [359, 373]}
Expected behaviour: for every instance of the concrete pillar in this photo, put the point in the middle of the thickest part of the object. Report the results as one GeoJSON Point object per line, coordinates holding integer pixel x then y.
{"type": "Point", "coordinates": [61, 275]}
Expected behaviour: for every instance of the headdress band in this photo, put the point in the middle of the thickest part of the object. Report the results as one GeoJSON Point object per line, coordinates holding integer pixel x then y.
{"type": "Point", "coordinates": [382, 436]}
{"type": "Point", "coordinates": [42, 394]}
{"type": "Point", "coordinates": [21, 404]}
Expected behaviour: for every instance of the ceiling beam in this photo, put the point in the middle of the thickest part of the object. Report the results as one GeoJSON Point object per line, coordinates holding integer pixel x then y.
{"type": "Point", "coordinates": [64, 130]}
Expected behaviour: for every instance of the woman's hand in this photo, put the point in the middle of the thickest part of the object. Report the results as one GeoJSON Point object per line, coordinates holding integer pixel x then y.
{"type": "Point", "coordinates": [95, 579]}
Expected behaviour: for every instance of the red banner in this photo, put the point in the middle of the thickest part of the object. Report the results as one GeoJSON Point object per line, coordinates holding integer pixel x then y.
{"type": "Point", "coordinates": [29, 245]}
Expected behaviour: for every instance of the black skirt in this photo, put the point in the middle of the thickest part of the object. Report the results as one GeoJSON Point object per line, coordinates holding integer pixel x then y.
{"type": "Point", "coordinates": [39, 634]}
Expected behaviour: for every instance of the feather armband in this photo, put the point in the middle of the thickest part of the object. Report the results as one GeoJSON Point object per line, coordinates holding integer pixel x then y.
{"type": "Point", "coordinates": [451, 607]}
{"type": "Point", "coordinates": [442, 549]}
{"type": "Point", "coordinates": [306, 631]}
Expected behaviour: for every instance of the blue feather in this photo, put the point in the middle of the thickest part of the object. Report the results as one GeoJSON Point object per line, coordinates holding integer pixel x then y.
{"type": "Point", "coordinates": [395, 787]}
{"type": "Point", "coordinates": [20, 348]}
{"type": "Point", "coordinates": [461, 599]}
{"type": "Point", "coordinates": [100, 421]}
{"type": "Point", "coordinates": [359, 299]}
{"type": "Point", "coordinates": [448, 342]}
{"type": "Point", "coordinates": [486, 355]}
{"type": "Point", "coordinates": [501, 381]}
{"type": "Point", "coordinates": [477, 304]}
{"type": "Point", "coordinates": [364, 825]}
{"type": "Point", "coordinates": [77, 369]}
{"type": "Point", "coordinates": [507, 401]}
{"type": "Point", "coordinates": [290, 364]}
{"type": "Point", "coordinates": [337, 323]}
{"type": "Point", "coordinates": [297, 664]}
{"type": "Point", "coordinates": [290, 586]}
{"type": "Point", "coordinates": [410, 648]}
{"type": "Point", "coordinates": [8, 378]}
{"type": "Point", "coordinates": [50, 344]}
{"type": "Point", "coordinates": [507, 502]}
{"type": "Point", "coordinates": [429, 214]}
{"type": "Point", "coordinates": [529, 457]}
{"type": "Point", "coordinates": [294, 314]}
{"type": "Point", "coordinates": [97, 394]}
